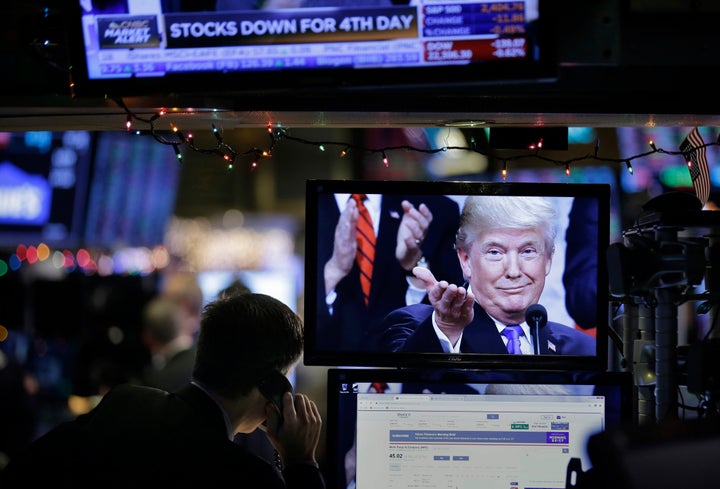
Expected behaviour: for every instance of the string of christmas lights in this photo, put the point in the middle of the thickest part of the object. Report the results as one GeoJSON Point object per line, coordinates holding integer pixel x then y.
{"type": "Point", "coordinates": [178, 139]}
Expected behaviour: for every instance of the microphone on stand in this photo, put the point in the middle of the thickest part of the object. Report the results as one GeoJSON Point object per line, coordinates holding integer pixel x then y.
{"type": "Point", "coordinates": [536, 316]}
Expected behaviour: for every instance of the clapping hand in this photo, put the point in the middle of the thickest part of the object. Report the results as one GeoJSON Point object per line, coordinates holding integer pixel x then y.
{"type": "Point", "coordinates": [344, 247]}
{"type": "Point", "coordinates": [411, 233]}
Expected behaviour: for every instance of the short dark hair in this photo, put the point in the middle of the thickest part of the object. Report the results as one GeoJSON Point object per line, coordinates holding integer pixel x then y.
{"type": "Point", "coordinates": [242, 339]}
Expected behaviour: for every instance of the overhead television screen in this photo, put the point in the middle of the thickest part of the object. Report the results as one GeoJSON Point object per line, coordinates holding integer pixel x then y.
{"type": "Point", "coordinates": [171, 45]}
{"type": "Point", "coordinates": [454, 265]}
{"type": "Point", "coordinates": [43, 187]}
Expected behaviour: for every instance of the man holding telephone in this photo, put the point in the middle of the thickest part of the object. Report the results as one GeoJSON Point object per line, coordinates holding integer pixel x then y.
{"type": "Point", "coordinates": [144, 436]}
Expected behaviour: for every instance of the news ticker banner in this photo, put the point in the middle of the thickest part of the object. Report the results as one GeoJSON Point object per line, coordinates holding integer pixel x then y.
{"type": "Point", "coordinates": [326, 25]}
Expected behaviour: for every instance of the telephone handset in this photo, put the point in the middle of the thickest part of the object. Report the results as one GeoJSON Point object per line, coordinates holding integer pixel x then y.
{"type": "Point", "coordinates": [273, 387]}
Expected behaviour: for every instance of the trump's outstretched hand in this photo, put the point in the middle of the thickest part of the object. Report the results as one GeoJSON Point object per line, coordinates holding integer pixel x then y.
{"type": "Point", "coordinates": [453, 304]}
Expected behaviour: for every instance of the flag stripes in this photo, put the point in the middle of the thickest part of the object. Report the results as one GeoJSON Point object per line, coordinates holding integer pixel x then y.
{"type": "Point", "coordinates": [694, 150]}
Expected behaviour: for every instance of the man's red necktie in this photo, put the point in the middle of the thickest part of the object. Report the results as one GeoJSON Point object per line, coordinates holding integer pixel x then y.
{"type": "Point", "coordinates": [365, 245]}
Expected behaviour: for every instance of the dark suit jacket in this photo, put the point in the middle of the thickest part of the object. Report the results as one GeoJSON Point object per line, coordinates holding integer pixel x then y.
{"type": "Point", "coordinates": [144, 437]}
{"type": "Point", "coordinates": [409, 329]}
{"type": "Point", "coordinates": [353, 326]}
{"type": "Point", "coordinates": [581, 262]}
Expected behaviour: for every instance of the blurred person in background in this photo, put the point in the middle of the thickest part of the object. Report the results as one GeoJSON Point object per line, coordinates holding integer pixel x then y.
{"type": "Point", "coordinates": [172, 353]}
{"type": "Point", "coordinates": [183, 288]}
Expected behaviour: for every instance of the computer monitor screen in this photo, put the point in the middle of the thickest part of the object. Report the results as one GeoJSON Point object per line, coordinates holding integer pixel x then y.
{"type": "Point", "coordinates": [437, 429]}
{"type": "Point", "coordinates": [417, 223]}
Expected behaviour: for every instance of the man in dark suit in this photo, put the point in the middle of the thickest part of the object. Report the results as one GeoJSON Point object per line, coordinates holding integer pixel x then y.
{"type": "Point", "coordinates": [147, 437]}
{"type": "Point", "coordinates": [410, 230]}
{"type": "Point", "coordinates": [505, 247]}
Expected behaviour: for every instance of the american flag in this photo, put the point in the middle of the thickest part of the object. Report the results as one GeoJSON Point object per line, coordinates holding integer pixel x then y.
{"type": "Point", "coordinates": [693, 148]}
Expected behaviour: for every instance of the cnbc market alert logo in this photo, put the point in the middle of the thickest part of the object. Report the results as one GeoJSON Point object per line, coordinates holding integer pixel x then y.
{"type": "Point", "coordinates": [133, 31]}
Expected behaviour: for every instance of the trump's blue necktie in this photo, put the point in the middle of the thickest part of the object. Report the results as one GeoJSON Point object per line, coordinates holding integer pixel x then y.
{"type": "Point", "coordinates": [513, 332]}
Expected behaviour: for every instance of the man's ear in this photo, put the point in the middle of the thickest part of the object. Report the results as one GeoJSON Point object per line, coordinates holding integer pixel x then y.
{"type": "Point", "coordinates": [464, 259]}
{"type": "Point", "coordinates": [548, 266]}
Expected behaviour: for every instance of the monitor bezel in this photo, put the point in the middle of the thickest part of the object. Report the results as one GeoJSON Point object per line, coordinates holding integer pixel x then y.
{"type": "Point", "coordinates": [313, 355]}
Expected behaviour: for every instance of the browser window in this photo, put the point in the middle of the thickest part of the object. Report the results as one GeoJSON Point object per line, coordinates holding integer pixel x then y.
{"type": "Point", "coordinates": [469, 441]}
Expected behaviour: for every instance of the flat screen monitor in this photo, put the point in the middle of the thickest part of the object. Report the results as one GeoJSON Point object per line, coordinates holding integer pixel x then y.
{"type": "Point", "coordinates": [528, 248]}
{"type": "Point", "coordinates": [494, 429]}
{"type": "Point", "coordinates": [43, 187]}
{"type": "Point", "coordinates": [157, 46]}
